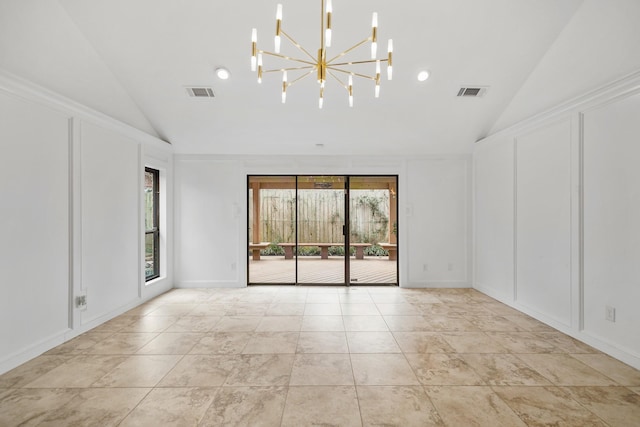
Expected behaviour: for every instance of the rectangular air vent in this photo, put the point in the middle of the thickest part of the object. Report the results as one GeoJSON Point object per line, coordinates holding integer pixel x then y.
{"type": "Point", "coordinates": [473, 92]}
{"type": "Point", "coordinates": [200, 92]}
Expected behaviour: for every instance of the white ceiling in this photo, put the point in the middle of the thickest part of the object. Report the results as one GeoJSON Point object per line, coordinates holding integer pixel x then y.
{"type": "Point", "coordinates": [143, 53]}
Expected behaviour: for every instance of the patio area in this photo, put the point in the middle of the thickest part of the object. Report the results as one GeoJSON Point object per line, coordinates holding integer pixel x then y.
{"type": "Point", "coordinates": [276, 269]}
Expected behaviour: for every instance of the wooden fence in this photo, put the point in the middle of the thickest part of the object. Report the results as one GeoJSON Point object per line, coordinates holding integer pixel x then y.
{"type": "Point", "coordinates": [321, 216]}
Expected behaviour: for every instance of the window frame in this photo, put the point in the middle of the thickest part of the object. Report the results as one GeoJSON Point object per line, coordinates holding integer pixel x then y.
{"type": "Point", "coordinates": [155, 230]}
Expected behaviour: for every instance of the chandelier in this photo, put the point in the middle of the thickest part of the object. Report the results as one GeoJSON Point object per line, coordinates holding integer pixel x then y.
{"type": "Point", "coordinates": [320, 64]}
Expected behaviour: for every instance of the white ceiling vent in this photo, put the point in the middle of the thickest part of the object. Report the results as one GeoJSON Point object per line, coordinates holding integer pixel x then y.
{"type": "Point", "coordinates": [472, 92]}
{"type": "Point", "coordinates": [200, 92]}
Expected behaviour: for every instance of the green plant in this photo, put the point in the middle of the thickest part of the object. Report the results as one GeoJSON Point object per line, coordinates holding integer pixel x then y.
{"type": "Point", "coordinates": [375, 250]}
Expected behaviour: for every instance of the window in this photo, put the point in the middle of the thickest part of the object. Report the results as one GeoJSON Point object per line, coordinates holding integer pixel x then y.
{"type": "Point", "coordinates": [151, 223]}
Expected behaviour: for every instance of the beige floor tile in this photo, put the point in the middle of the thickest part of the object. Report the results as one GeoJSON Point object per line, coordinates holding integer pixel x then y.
{"type": "Point", "coordinates": [222, 343]}
{"type": "Point", "coordinates": [565, 343]}
{"type": "Point", "coordinates": [96, 407]}
{"type": "Point", "coordinates": [382, 369]}
{"type": "Point", "coordinates": [449, 324]}
{"type": "Point", "coordinates": [618, 371]}
{"type": "Point", "coordinates": [285, 309]}
{"type": "Point", "coordinates": [237, 324]}
{"type": "Point", "coordinates": [321, 406]}
{"type": "Point", "coordinates": [562, 369]}
{"type": "Point", "coordinates": [494, 324]}
{"type": "Point", "coordinates": [473, 342]}
{"type": "Point", "coordinates": [522, 342]}
{"type": "Point", "coordinates": [359, 309]}
{"type": "Point", "coordinates": [199, 371]}
{"type": "Point", "coordinates": [79, 344]}
{"type": "Point", "coordinates": [173, 310]}
{"type": "Point", "coordinates": [473, 309]}
{"type": "Point", "coordinates": [139, 371]}
{"type": "Point", "coordinates": [396, 406]}
{"type": "Point", "coordinates": [372, 342]}
{"type": "Point", "coordinates": [171, 407]}
{"type": "Point", "coordinates": [617, 406]}
{"type": "Point", "coordinates": [272, 342]}
{"type": "Point", "coordinates": [635, 389]}
{"type": "Point", "coordinates": [501, 309]}
{"type": "Point", "coordinates": [322, 369]}
{"type": "Point", "coordinates": [150, 324]}
{"type": "Point", "coordinates": [247, 309]}
{"type": "Point", "coordinates": [200, 324]}
{"type": "Point", "coordinates": [323, 298]}
{"type": "Point", "coordinates": [529, 323]}
{"type": "Point", "coordinates": [291, 298]}
{"type": "Point", "coordinates": [401, 309]}
{"type": "Point", "coordinates": [322, 324]}
{"type": "Point", "coordinates": [364, 323]}
{"type": "Point", "coordinates": [33, 369]}
{"type": "Point", "coordinates": [122, 343]}
{"type": "Point", "coordinates": [504, 369]}
{"type": "Point", "coordinates": [261, 370]}
{"type": "Point", "coordinates": [443, 369]}
{"type": "Point", "coordinates": [407, 323]}
{"type": "Point", "coordinates": [547, 406]}
{"type": "Point", "coordinates": [246, 406]}
{"type": "Point", "coordinates": [314, 309]}
{"type": "Point", "coordinates": [355, 296]}
{"type": "Point", "coordinates": [116, 324]}
{"type": "Point", "coordinates": [280, 324]}
{"type": "Point", "coordinates": [422, 342]}
{"type": "Point", "coordinates": [172, 343]}
{"type": "Point", "coordinates": [469, 406]}
{"type": "Point", "coordinates": [81, 371]}
{"type": "Point", "coordinates": [322, 342]}
{"type": "Point", "coordinates": [209, 309]}
{"type": "Point", "coordinates": [26, 407]}
{"type": "Point", "coordinates": [439, 309]}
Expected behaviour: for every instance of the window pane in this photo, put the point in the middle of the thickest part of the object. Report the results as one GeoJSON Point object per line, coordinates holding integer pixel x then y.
{"type": "Point", "coordinates": [150, 255]}
{"type": "Point", "coordinates": [149, 200]}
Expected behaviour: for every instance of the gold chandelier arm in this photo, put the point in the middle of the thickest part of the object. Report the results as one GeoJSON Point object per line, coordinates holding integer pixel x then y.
{"type": "Point", "coordinates": [300, 78]}
{"type": "Point", "coordinates": [296, 44]}
{"type": "Point", "coordinates": [369, 61]}
{"type": "Point", "coordinates": [339, 81]}
{"type": "Point", "coordinates": [275, 70]}
{"type": "Point", "coordinates": [343, 53]}
{"type": "Point", "coordinates": [288, 58]}
{"type": "Point", "coordinates": [364, 76]}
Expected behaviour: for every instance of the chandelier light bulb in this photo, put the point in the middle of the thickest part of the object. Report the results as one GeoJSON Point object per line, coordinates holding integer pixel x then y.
{"type": "Point", "coordinates": [374, 20]}
{"type": "Point", "coordinates": [377, 92]}
{"type": "Point", "coordinates": [279, 11]}
{"type": "Point", "coordinates": [276, 44]}
{"type": "Point", "coordinates": [327, 37]}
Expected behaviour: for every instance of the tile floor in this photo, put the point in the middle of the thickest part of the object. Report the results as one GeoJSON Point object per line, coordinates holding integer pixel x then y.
{"type": "Point", "coordinates": [322, 356]}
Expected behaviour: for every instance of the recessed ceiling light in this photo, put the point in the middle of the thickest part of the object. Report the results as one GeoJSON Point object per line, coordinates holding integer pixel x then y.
{"type": "Point", "coordinates": [423, 75]}
{"type": "Point", "coordinates": [223, 73]}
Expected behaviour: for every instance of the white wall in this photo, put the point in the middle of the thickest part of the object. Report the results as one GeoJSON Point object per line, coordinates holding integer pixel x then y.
{"type": "Point", "coordinates": [575, 175]}
{"type": "Point", "coordinates": [612, 222]}
{"type": "Point", "coordinates": [71, 209]}
{"type": "Point", "coordinates": [211, 214]}
{"type": "Point", "coordinates": [34, 230]}
{"type": "Point", "coordinates": [494, 217]}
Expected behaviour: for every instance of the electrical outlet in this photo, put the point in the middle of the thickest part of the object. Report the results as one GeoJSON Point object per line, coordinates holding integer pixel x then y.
{"type": "Point", "coordinates": [610, 313]}
{"type": "Point", "coordinates": [81, 302]}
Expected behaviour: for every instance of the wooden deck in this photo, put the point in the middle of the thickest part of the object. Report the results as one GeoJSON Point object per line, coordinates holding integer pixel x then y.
{"type": "Point", "coordinates": [276, 269]}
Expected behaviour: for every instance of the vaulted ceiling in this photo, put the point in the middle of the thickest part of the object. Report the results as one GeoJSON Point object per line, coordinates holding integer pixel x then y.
{"type": "Point", "coordinates": [133, 59]}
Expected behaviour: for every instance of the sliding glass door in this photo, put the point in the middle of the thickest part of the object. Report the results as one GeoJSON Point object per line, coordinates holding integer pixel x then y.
{"type": "Point", "coordinates": [327, 230]}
